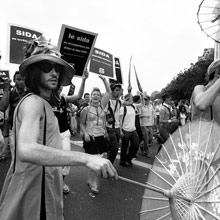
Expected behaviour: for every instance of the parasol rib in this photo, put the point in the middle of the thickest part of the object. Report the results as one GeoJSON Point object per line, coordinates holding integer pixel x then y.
{"type": "Point", "coordinates": [210, 201]}
{"type": "Point", "coordinates": [150, 187]}
{"type": "Point", "coordinates": [205, 210]}
{"type": "Point", "coordinates": [206, 147]}
{"type": "Point", "coordinates": [208, 191]}
{"type": "Point", "coordinates": [153, 198]}
{"type": "Point", "coordinates": [166, 169]}
{"type": "Point", "coordinates": [208, 168]}
{"type": "Point", "coordinates": [170, 159]}
{"type": "Point", "coordinates": [153, 210]}
{"type": "Point", "coordinates": [157, 174]}
{"type": "Point", "coordinates": [197, 152]}
{"type": "Point", "coordinates": [180, 165]}
{"type": "Point", "coordinates": [199, 212]}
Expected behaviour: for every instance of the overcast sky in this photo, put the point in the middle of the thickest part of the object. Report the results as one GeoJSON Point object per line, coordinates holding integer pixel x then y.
{"type": "Point", "coordinates": [162, 35]}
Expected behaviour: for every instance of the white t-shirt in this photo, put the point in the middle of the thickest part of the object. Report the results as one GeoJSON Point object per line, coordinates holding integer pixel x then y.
{"type": "Point", "coordinates": [129, 120]}
{"type": "Point", "coordinates": [147, 115]}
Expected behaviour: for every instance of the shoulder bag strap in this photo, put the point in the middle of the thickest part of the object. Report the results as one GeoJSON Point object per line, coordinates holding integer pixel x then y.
{"type": "Point", "coordinates": [43, 203]}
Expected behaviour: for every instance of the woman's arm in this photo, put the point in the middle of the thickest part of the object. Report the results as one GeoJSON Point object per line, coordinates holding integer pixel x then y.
{"type": "Point", "coordinates": [106, 97]}
{"type": "Point", "coordinates": [73, 98]}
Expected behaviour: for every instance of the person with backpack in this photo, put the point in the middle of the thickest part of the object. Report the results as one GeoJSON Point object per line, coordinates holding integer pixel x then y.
{"type": "Point", "coordinates": [130, 139]}
{"type": "Point", "coordinates": [93, 127]}
{"type": "Point", "coordinates": [112, 121]}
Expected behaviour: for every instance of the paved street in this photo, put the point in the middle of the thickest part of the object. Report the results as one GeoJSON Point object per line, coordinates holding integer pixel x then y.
{"type": "Point", "coordinates": [116, 200]}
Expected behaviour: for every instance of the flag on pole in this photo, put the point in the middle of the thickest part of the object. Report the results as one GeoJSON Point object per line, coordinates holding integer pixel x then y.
{"type": "Point", "coordinates": [138, 82]}
{"type": "Point", "coordinates": [129, 74]}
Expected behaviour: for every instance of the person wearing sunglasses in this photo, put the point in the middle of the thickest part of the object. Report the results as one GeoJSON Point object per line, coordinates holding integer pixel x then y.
{"type": "Point", "coordinates": [33, 188]}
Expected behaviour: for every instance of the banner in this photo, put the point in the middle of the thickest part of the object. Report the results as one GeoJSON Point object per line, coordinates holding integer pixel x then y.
{"type": "Point", "coordinates": [102, 63]}
{"type": "Point", "coordinates": [118, 72]}
{"type": "Point", "coordinates": [4, 75]}
{"type": "Point", "coordinates": [71, 89]}
{"type": "Point", "coordinates": [129, 73]}
{"type": "Point", "coordinates": [138, 82]}
{"type": "Point", "coordinates": [76, 47]}
{"type": "Point", "coordinates": [17, 38]}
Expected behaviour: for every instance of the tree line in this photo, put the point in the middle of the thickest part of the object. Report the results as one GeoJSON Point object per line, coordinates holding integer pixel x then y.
{"type": "Point", "coordinates": [182, 85]}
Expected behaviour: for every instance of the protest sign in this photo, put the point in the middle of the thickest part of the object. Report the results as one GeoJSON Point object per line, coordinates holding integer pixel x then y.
{"type": "Point", "coordinates": [118, 72]}
{"type": "Point", "coordinates": [71, 89]}
{"type": "Point", "coordinates": [102, 63]}
{"type": "Point", "coordinates": [76, 46]}
{"type": "Point", "coordinates": [4, 75]}
{"type": "Point", "coordinates": [17, 38]}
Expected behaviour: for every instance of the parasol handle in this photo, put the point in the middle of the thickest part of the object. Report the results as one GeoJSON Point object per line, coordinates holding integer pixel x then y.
{"type": "Point", "coordinates": [142, 185]}
{"type": "Point", "coordinates": [166, 193]}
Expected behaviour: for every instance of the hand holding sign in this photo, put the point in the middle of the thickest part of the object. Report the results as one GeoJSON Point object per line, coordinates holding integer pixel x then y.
{"type": "Point", "coordinates": [85, 74]}
{"type": "Point", "coordinates": [101, 77]}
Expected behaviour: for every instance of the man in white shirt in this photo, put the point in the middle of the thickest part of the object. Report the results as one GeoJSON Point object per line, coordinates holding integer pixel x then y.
{"type": "Point", "coordinates": [147, 117]}
{"type": "Point", "coordinates": [128, 131]}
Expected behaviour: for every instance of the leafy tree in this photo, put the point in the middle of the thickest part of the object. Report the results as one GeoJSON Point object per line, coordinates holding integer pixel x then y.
{"type": "Point", "coordinates": [182, 85]}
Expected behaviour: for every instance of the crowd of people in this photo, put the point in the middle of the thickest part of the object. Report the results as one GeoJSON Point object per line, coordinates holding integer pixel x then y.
{"type": "Point", "coordinates": [37, 122]}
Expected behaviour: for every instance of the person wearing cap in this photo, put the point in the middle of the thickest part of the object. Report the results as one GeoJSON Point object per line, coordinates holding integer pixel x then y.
{"type": "Point", "coordinates": [33, 188]}
{"type": "Point", "coordinates": [112, 121]}
{"type": "Point", "coordinates": [205, 99]}
{"type": "Point", "coordinates": [147, 116]}
{"type": "Point", "coordinates": [130, 139]}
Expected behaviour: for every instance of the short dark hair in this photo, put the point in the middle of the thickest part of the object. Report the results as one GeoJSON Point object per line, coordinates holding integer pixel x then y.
{"type": "Point", "coordinates": [113, 86]}
{"type": "Point", "coordinates": [86, 94]}
{"type": "Point", "coordinates": [136, 98]}
{"type": "Point", "coordinates": [16, 73]}
{"type": "Point", "coordinates": [165, 96]}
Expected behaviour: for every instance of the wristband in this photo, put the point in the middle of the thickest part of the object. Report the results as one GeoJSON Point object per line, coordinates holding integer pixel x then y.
{"type": "Point", "coordinates": [169, 121]}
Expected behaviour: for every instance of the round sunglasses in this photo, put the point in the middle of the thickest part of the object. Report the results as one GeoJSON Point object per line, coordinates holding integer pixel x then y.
{"type": "Point", "coordinates": [46, 67]}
